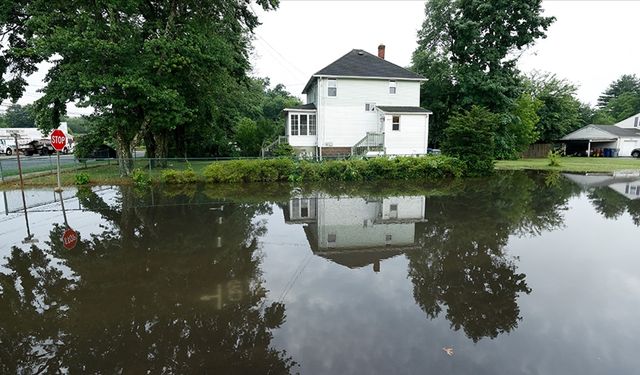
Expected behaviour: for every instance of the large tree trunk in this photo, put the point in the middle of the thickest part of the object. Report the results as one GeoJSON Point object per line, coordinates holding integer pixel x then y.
{"type": "Point", "coordinates": [162, 148]}
{"type": "Point", "coordinates": [125, 156]}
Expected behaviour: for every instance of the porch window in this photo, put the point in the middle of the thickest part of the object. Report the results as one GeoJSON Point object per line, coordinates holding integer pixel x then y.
{"type": "Point", "coordinates": [312, 124]}
{"type": "Point", "coordinates": [392, 87]}
{"type": "Point", "coordinates": [333, 87]}
{"type": "Point", "coordinates": [395, 123]}
{"type": "Point", "coordinates": [303, 125]}
{"type": "Point", "coordinates": [295, 125]}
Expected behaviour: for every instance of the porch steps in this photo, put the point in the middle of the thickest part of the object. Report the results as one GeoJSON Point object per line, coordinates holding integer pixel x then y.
{"type": "Point", "coordinates": [267, 149]}
{"type": "Point", "coordinates": [372, 143]}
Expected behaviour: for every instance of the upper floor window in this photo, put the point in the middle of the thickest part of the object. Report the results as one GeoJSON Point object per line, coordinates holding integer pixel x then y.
{"type": "Point", "coordinates": [333, 87]}
{"type": "Point", "coordinates": [370, 107]}
{"type": "Point", "coordinates": [392, 87]}
{"type": "Point", "coordinates": [395, 123]}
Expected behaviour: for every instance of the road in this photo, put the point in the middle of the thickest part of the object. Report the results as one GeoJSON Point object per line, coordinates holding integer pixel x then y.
{"type": "Point", "coordinates": [9, 164]}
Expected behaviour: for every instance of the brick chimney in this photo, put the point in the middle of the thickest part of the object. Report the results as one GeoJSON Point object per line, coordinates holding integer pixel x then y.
{"type": "Point", "coordinates": [381, 51]}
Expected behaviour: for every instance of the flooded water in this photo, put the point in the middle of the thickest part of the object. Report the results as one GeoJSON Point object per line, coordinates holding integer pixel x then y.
{"type": "Point", "coordinates": [514, 274]}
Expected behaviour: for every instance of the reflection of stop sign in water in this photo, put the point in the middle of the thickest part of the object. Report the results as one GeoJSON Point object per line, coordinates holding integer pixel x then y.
{"type": "Point", "coordinates": [69, 239]}
{"type": "Point", "coordinates": [58, 140]}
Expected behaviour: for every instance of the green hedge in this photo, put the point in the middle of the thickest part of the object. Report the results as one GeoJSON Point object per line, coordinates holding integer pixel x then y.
{"type": "Point", "coordinates": [172, 176]}
{"type": "Point", "coordinates": [274, 170]}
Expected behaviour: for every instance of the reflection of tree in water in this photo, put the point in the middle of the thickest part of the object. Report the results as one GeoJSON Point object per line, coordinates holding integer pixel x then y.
{"type": "Point", "coordinates": [608, 202]}
{"type": "Point", "coordinates": [463, 265]}
{"type": "Point", "coordinates": [168, 289]}
{"type": "Point", "coordinates": [612, 204]}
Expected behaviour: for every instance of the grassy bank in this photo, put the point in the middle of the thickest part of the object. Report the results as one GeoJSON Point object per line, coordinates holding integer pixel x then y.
{"type": "Point", "coordinates": [268, 170]}
{"type": "Point", "coordinates": [572, 164]}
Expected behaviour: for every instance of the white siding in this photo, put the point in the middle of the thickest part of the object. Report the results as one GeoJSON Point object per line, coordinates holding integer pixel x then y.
{"type": "Point", "coordinates": [352, 222]}
{"type": "Point", "coordinates": [411, 139]}
{"type": "Point", "coordinates": [632, 122]}
{"type": "Point", "coordinates": [343, 118]}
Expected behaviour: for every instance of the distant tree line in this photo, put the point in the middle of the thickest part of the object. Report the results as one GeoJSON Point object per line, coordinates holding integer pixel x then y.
{"type": "Point", "coordinates": [477, 94]}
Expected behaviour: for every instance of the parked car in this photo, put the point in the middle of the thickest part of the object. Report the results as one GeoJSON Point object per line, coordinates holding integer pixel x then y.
{"type": "Point", "coordinates": [433, 151]}
{"type": "Point", "coordinates": [636, 153]}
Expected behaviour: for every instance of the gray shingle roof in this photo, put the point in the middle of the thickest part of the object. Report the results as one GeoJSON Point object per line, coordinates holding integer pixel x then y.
{"type": "Point", "coordinates": [359, 63]}
{"type": "Point", "coordinates": [621, 132]}
{"type": "Point", "coordinates": [400, 109]}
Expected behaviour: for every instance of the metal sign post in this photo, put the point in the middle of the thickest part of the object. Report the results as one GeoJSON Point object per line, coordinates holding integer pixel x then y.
{"type": "Point", "coordinates": [58, 141]}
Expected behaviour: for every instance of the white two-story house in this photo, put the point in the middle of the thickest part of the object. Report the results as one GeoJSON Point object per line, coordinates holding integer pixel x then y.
{"type": "Point", "coordinates": [360, 104]}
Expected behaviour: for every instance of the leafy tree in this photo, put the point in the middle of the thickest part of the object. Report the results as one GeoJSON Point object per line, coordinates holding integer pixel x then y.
{"type": "Point", "coordinates": [161, 70]}
{"type": "Point", "coordinates": [517, 130]}
{"type": "Point", "coordinates": [560, 112]}
{"type": "Point", "coordinates": [627, 83]}
{"type": "Point", "coordinates": [439, 93]}
{"type": "Point", "coordinates": [19, 116]}
{"type": "Point", "coordinates": [78, 125]}
{"type": "Point", "coordinates": [17, 59]}
{"type": "Point", "coordinates": [624, 106]}
{"type": "Point", "coordinates": [475, 56]}
{"type": "Point", "coordinates": [470, 137]}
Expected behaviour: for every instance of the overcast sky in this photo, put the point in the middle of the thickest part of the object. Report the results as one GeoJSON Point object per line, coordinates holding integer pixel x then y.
{"type": "Point", "coordinates": [591, 43]}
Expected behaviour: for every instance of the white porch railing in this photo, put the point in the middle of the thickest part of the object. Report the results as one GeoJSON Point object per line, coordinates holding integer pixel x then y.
{"type": "Point", "coordinates": [268, 149]}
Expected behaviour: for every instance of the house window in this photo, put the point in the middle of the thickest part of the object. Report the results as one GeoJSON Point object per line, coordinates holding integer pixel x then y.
{"type": "Point", "coordinates": [295, 125]}
{"type": "Point", "coordinates": [370, 107]}
{"type": "Point", "coordinates": [331, 238]}
{"type": "Point", "coordinates": [392, 87]}
{"type": "Point", "coordinates": [304, 208]}
{"type": "Point", "coordinates": [303, 124]}
{"type": "Point", "coordinates": [388, 237]}
{"type": "Point", "coordinates": [635, 124]}
{"type": "Point", "coordinates": [395, 123]}
{"type": "Point", "coordinates": [312, 124]}
{"type": "Point", "coordinates": [333, 87]}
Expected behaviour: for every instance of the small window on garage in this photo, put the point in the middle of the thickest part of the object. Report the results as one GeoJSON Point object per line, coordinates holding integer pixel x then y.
{"type": "Point", "coordinates": [395, 123]}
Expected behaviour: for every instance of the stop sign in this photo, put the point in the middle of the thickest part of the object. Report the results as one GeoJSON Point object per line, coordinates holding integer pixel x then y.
{"type": "Point", "coordinates": [58, 140]}
{"type": "Point", "coordinates": [69, 239]}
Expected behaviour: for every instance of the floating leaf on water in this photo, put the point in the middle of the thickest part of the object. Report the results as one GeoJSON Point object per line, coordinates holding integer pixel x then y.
{"type": "Point", "coordinates": [449, 351]}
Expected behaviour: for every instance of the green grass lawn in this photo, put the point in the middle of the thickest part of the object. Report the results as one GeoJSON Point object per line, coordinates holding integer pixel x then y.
{"type": "Point", "coordinates": [572, 164]}
{"type": "Point", "coordinates": [101, 173]}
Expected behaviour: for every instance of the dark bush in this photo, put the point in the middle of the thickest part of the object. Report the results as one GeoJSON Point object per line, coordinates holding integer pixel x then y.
{"type": "Point", "coordinates": [469, 137]}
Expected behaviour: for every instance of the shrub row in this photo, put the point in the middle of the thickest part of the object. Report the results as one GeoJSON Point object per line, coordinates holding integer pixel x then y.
{"type": "Point", "coordinates": [172, 176]}
{"type": "Point", "coordinates": [274, 170]}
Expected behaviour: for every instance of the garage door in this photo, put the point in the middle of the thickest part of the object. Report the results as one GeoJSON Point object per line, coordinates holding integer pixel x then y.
{"type": "Point", "coordinates": [627, 146]}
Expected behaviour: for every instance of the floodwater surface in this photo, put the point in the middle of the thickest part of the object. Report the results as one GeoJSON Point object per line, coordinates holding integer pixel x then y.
{"type": "Point", "coordinates": [519, 273]}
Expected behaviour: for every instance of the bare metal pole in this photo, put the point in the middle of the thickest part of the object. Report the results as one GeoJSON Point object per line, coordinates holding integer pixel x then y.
{"type": "Point", "coordinates": [58, 162]}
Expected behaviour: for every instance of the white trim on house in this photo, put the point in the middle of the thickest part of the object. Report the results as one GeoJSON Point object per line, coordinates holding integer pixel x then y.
{"type": "Point", "coordinates": [362, 77]}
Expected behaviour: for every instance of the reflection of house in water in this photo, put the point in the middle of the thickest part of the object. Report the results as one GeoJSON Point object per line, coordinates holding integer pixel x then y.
{"type": "Point", "coordinates": [626, 184]}
{"type": "Point", "coordinates": [356, 232]}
